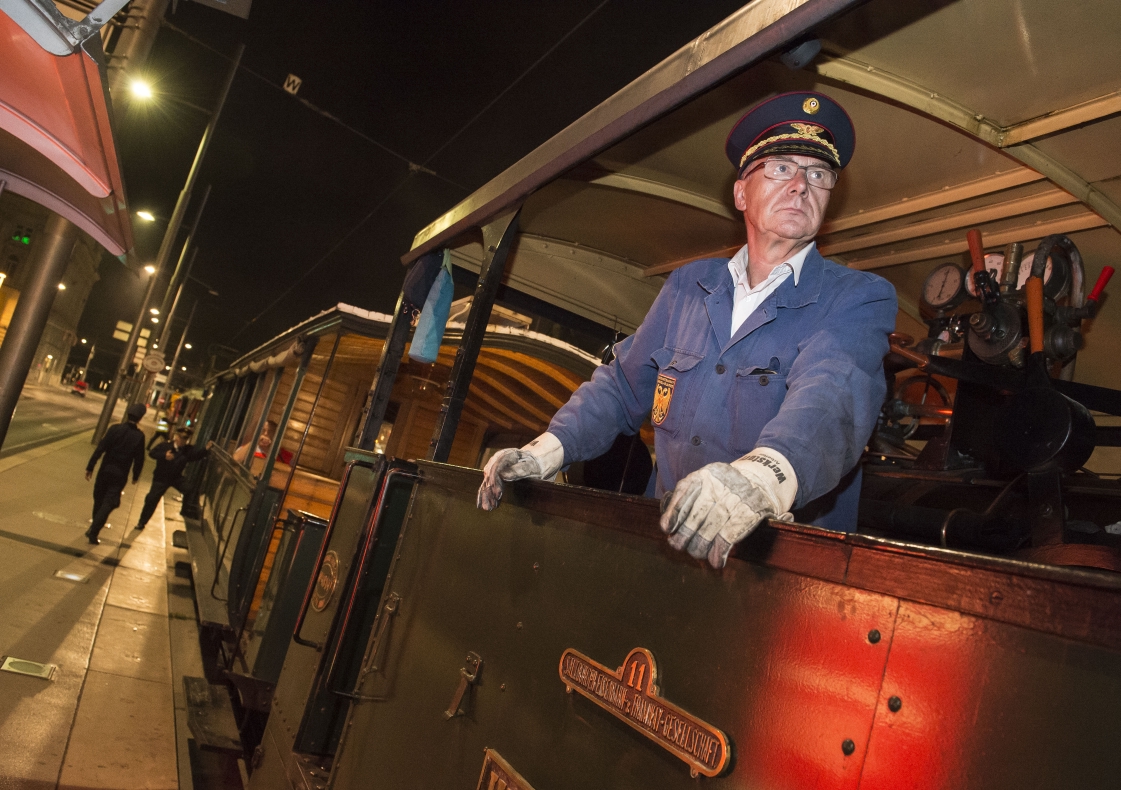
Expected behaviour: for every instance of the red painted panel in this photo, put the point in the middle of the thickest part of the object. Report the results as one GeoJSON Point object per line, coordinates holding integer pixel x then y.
{"type": "Point", "coordinates": [993, 706]}
{"type": "Point", "coordinates": [53, 111]}
{"type": "Point", "coordinates": [818, 689]}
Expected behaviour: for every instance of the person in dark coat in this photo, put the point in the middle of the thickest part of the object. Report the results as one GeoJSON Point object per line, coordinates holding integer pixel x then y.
{"type": "Point", "coordinates": [171, 461]}
{"type": "Point", "coordinates": [123, 446]}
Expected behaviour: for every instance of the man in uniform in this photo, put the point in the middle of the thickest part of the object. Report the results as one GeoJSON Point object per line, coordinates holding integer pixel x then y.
{"type": "Point", "coordinates": [123, 446]}
{"type": "Point", "coordinates": [171, 461]}
{"type": "Point", "coordinates": [763, 374]}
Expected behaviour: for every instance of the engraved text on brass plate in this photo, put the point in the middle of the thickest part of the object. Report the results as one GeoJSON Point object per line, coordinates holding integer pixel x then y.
{"type": "Point", "coordinates": [631, 694]}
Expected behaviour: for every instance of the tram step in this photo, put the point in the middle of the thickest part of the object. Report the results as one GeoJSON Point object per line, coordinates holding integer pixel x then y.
{"type": "Point", "coordinates": [210, 716]}
{"type": "Point", "coordinates": [212, 611]}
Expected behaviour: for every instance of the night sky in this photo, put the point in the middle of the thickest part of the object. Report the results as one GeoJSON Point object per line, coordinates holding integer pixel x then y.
{"type": "Point", "coordinates": [313, 205]}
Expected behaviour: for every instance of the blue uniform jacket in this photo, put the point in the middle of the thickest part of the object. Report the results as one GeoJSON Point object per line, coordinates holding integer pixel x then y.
{"type": "Point", "coordinates": [803, 375]}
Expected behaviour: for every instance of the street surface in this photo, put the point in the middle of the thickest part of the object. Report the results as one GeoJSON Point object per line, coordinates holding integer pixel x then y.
{"type": "Point", "coordinates": [47, 414]}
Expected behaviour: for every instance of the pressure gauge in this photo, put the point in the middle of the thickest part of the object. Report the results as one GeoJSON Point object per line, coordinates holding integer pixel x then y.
{"type": "Point", "coordinates": [1056, 277]}
{"type": "Point", "coordinates": [994, 262]}
{"type": "Point", "coordinates": [943, 286]}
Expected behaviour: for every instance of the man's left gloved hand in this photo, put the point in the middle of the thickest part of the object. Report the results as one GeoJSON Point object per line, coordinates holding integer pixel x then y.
{"type": "Point", "coordinates": [715, 507]}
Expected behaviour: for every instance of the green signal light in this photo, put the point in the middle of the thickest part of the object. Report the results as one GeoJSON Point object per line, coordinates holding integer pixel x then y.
{"type": "Point", "coordinates": [26, 239]}
{"type": "Point", "coordinates": [21, 238]}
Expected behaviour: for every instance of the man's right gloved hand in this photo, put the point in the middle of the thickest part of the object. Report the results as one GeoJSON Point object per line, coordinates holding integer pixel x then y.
{"type": "Point", "coordinates": [541, 459]}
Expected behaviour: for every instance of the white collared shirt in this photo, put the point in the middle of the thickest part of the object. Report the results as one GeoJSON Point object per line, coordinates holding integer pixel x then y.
{"type": "Point", "coordinates": [746, 299]}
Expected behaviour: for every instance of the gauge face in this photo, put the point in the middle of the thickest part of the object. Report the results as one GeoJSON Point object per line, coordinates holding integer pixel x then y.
{"type": "Point", "coordinates": [1025, 271]}
{"type": "Point", "coordinates": [943, 286]}
{"type": "Point", "coordinates": [994, 262]}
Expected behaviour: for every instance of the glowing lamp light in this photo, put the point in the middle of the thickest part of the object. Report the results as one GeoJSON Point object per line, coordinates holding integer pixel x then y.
{"type": "Point", "coordinates": [187, 345]}
{"type": "Point", "coordinates": [167, 367]}
{"type": "Point", "coordinates": [154, 311]}
{"type": "Point", "coordinates": [147, 216]}
{"type": "Point", "coordinates": [140, 89]}
{"type": "Point", "coordinates": [83, 341]}
{"type": "Point", "coordinates": [155, 320]}
{"type": "Point", "coordinates": [62, 286]}
{"type": "Point", "coordinates": [183, 368]}
{"type": "Point", "coordinates": [150, 269]}
{"type": "Point", "coordinates": [50, 356]}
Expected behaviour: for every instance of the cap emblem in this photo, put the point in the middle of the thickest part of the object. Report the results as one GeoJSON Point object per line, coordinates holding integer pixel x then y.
{"type": "Point", "coordinates": [808, 129]}
{"type": "Point", "coordinates": [810, 106]}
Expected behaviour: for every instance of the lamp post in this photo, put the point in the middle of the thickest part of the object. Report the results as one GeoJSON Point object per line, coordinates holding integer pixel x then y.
{"type": "Point", "coordinates": [164, 254]}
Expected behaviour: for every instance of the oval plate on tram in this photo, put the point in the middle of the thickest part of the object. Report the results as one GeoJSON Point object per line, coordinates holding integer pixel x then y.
{"type": "Point", "coordinates": [326, 583]}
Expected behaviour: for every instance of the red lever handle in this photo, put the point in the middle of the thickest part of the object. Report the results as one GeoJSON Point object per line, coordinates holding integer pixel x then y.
{"type": "Point", "coordinates": [976, 249]}
{"type": "Point", "coordinates": [1099, 286]}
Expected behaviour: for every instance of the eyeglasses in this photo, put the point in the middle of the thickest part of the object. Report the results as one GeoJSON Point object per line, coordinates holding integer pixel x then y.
{"type": "Point", "coordinates": [785, 170]}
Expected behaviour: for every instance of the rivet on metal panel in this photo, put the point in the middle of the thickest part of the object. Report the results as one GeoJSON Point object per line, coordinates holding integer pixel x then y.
{"type": "Point", "coordinates": [537, 566]}
{"type": "Point", "coordinates": [519, 625]}
{"type": "Point", "coordinates": [996, 597]}
{"type": "Point", "coordinates": [502, 687]}
{"type": "Point", "coordinates": [894, 704]}
{"type": "Point", "coordinates": [491, 248]}
{"type": "Point", "coordinates": [847, 746]}
{"type": "Point", "coordinates": [873, 636]}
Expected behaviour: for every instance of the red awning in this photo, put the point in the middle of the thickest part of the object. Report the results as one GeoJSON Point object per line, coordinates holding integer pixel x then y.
{"type": "Point", "coordinates": [56, 138]}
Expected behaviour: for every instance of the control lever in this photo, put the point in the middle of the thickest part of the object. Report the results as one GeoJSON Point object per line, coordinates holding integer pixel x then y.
{"type": "Point", "coordinates": [468, 676]}
{"type": "Point", "coordinates": [983, 283]}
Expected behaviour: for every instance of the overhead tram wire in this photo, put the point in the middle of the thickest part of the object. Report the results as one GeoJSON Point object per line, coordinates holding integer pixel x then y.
{"type": "Point", "coordinates": [517, 79]}
{"type": "Point", "coordinates": [326, 255]}
{"type": "Point", "coordinates": [413, 167]}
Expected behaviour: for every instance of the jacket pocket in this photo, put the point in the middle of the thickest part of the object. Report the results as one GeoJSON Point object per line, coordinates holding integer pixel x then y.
{"type": "Point", "coordinates": [674, 387]}
{"type": "Point", "coordinates": [759, 393]}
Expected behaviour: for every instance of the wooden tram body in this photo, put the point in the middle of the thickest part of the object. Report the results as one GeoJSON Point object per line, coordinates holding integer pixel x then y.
{"type": "Point", "coordinates": [439, 646]}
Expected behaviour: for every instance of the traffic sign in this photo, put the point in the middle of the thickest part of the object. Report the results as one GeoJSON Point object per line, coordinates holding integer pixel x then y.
{"type": "Point", "coordinates": [154, 363]}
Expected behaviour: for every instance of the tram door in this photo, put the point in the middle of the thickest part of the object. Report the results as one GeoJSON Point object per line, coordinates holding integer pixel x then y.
{"type": "Point", "coordinates": [311, 703]}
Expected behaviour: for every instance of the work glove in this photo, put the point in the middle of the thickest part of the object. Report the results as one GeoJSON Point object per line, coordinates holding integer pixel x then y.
{"type": "Point", "coordinates": [541, 459]}
{"type": "Point", "coordinates": [717, 506]}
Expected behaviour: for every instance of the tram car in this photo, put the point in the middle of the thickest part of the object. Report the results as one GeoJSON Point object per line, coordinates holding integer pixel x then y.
{"type": "Point", "coordinates": [967, 635]}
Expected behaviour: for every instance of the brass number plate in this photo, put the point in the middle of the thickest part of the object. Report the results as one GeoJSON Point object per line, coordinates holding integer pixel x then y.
{"type": "Point", "coordinates": [499, 775]}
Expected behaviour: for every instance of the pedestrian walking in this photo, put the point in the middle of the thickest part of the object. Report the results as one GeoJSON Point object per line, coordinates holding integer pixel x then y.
{"type": "Point", "coordinates": [171, 461]}
{"type": "Point", "coordinates": [123, 446]}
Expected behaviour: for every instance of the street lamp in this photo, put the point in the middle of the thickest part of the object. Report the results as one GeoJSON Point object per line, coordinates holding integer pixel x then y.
{"type": "Point", "coordinates": [147, 216]}
{"type": "Point", "coordinates": [150, 269]}
{"type": "Point", "coordinates": [164, 255]}
{"type": "Point", "coordinates": [140, 89]}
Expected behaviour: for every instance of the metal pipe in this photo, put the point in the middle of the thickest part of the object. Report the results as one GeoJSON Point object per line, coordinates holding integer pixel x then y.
{"type": "Point", "coordinates": [32, 311]}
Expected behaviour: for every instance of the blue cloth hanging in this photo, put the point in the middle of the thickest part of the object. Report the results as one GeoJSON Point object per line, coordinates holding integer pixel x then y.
{"type": "Point", "coordinates": [433, 316]}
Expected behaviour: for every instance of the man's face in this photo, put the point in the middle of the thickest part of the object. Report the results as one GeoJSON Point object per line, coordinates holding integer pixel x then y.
{"type": "Point", "coordinates": [178, 440]}
{"type": "Point", "coordinates": [787, 209]}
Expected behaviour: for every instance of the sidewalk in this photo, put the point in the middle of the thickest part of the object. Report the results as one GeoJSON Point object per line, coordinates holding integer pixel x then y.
{"type": "Point", "coordinates": [114, 619]}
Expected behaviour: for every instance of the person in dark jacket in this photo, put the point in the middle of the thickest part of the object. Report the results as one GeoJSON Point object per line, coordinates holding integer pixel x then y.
{"type": "Point", "coordinates": [171, 461]}
{"type": "Point", "coordinates": [123, 446]}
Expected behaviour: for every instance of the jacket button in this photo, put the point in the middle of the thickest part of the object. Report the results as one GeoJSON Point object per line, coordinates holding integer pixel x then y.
{"type": "Point", "coordinates": [696, 440]}
{"type": "Point", "coordinates": [764, 381]}
{"type": "Point", "coordinates": [720, 368]}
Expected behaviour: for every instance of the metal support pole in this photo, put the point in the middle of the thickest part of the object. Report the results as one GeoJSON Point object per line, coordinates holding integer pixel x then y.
{"type": "Point", "coordinates": [126, 360]}
{"type": "Point", "coordinates": [498, 237]}
{"type": "Point", "coordinates": [168, 305]}
{"type": "Point", "coordinates": [89, 360]}
{"type": "Point", "coordinates": [175, 360]}
{"type": "Point", "coordinates": [31, 313]}
{"type": "Point", "coordinates": [391, 354]}
{"type": "Point", "coordinates": [134, 43]}
{"type": "Point", "coordinates": [165, 249]}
